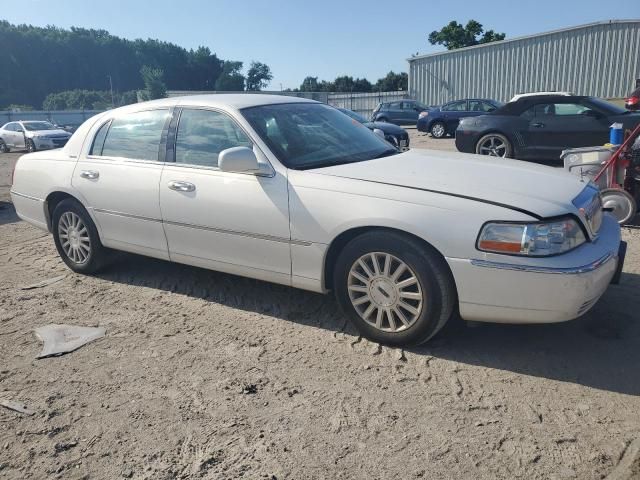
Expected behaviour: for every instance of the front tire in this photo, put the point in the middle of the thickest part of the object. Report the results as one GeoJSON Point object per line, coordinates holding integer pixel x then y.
{"type": "Point", "coordinates": [76, 238]}
{"type": "Point", "coordinates": [494, 145]}
{"type": "Point", "coordinates": [395, 290]}
{"type": "Point", "coordinates": [438, 130]}
{"type": "Point", "coordinates": [31, 146]}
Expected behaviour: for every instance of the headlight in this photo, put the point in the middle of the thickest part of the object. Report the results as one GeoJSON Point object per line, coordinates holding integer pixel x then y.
{"type": "Point", "coordinates": [423, 114]}
{"type": "Point", "coordinates": [531, 239]}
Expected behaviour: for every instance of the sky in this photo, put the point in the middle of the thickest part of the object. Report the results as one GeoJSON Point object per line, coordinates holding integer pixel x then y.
{"type": "Point", "coordinates": [323, 39]}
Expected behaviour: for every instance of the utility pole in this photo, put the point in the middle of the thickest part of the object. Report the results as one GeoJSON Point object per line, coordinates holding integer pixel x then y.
{"type": "Point", "coordinates": [111, 87]}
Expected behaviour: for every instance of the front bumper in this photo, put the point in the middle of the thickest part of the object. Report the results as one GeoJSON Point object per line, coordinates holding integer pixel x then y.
{"type": "Point", "coordinates": [466, 141]}
{"type": "Point", "coordinates": [49, 143]}
{"type": "Point", "coordinates": [505, 289]}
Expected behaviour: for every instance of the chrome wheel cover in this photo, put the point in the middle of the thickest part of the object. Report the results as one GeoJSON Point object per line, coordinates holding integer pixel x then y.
{"type": "Point", "coordinates": [74, 238]}
{"type": "Point", "coordinates": [494, 147]}
{"type": "Point", "coordinates": [385, 292]}
{"type": "Point", "coordinates": [438, 130]}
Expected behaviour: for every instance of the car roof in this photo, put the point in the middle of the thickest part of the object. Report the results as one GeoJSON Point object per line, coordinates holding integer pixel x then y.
{"type": "Point", "coordinates": [228, 100]}
{"type": "Point", "coordinates": [539, 94]}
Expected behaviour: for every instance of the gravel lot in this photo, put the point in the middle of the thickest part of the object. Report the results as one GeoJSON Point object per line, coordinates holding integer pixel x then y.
{"type": "Point", "coordinates": [206, 375]}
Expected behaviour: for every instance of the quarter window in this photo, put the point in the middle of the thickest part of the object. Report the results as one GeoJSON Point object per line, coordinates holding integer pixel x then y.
{"type": "Point", "coordinates": [135, 135]}
{"type": "Point", "coordinates": [98, 140]}
{"type": "Point", "coordinates": [203, 134]}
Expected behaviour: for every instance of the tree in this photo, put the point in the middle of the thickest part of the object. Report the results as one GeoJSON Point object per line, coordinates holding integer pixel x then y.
{"type": "Point", "coordinates": [87, 100]}
{"type": "Point", "coordinates": [454, 35]}
{"type": "Point", "coordinates": [258, 76]}
{"type": "Point", "coordinates": [309, 84]}
{"type": "Point", "coordinates": [392, 82]}
{"type": "Point", "coordinates": [154, 86]}
{"type": "Point", "coordinates": [230, 80]}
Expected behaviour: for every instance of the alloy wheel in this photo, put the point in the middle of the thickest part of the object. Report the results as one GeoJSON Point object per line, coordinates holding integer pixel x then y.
{"type": "Point", "coordinates": [494, 147]}
{"type": "Point", "coordinates": [385, 292]}
{"type": "Point", "coordinates": [438, 130]}
{"type": "Point", "coordinates": [74, 237]}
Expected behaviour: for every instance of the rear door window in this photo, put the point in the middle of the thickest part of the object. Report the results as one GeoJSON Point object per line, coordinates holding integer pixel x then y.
{"type": "Point", "coordinates": [460, 106]}
{"type": "Point", "coordinates": [136, 135]}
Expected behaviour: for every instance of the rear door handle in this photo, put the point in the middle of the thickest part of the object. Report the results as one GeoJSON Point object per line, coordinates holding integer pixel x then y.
{"type": "Point", "coordinates": [180, 186]}
{"type": "Point", "coordinates": [89, 174]}
{"type": "Point", "coordinates": [537, 125]}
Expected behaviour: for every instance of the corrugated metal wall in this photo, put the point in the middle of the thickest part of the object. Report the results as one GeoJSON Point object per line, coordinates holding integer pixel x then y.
{"type": "Point", "coordinates": [600, 59]}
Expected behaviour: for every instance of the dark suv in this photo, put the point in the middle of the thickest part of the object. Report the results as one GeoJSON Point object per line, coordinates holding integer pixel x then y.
{"type": "Point", "coordinates": [402, 112]}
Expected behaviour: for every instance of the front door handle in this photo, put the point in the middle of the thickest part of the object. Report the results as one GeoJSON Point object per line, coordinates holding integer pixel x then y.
{"type": "Point", "coordinates": [180, 186]}
{"type": "Point", "coordinates": [537, 125]}
{"type": "Point", "coordinates": [89, 174]}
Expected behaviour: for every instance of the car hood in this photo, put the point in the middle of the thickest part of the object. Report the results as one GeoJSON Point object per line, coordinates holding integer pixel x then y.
{"type": "Point", "coordinates": [46, 133]}
{"type": "Point", "coordinates": [388, 128]}
{"type": "Point", "coordinates": [534, 189]}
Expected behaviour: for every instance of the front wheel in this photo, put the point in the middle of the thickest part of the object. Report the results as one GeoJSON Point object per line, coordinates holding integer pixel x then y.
{"type": "Point", "coordinates": [438, 130]}
{"type": "Point", "coordinates": [395, 290]}
{"type": "Point", "coordinates": [494, 145]}
{"type": "Point", "coordinates": [31, 147]}
{"type": "Point", "coordinates": [76, 238]}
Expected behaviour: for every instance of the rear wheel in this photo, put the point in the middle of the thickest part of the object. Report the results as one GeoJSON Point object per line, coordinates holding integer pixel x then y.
{"type": "Point", "coordinates": [622, 205]}
{"type": "Point", "coordinates": [3, 147]}
{"type": "Point", "coordinates": [76, 238]}
{"type": "Point", "coordinates": [395, 290]}
{"type": "Point", "coordinates": [494, 145]}
{"type": "Point", "coordinates": [438, 130]}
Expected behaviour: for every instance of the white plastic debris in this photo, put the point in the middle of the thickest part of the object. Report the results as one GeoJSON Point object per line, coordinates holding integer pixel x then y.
{"type": "Point", "coordinates": [43, 283]}
{"type": "Point", "coordinates": [60, 339]}
{"type": "Point", "coordinates": [16, 406]}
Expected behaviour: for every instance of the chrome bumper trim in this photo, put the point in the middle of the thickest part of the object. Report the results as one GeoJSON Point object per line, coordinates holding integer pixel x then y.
{"type": "Point", "coordinates": [552, 270]}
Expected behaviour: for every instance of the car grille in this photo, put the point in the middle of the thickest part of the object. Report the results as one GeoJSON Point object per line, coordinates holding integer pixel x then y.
{"type": "Point", "coordinates": [60, 142]}
{"type": "Point", "coordinates": [589, 204]}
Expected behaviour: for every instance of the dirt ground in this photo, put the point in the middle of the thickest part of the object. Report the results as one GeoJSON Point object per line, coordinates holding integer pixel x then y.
{"type": "Point", "coordinates": [206, 375]}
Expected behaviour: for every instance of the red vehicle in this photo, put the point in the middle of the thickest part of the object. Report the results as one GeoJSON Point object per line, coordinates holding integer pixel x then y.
{"type": "Point", "coordinates": [633, 102]}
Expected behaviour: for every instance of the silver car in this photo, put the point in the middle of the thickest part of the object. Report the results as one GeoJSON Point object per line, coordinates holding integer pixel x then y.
{"type": "Point", "coordinates": [31, 136]}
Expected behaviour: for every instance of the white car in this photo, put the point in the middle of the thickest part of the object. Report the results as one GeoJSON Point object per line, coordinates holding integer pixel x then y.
{"type": "Point", "coordinates": [293, 191]}
{"type": "Point", "coordinates": [31, 136]}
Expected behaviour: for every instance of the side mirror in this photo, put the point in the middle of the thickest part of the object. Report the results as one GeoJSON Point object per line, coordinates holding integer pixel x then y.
{"type": "Point", "coordinates": [379, 132]}
{"type": "Point", "coordinates": [238, 160]}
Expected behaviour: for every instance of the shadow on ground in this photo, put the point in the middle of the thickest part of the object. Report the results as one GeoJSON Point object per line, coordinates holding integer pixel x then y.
{"type": "Point", "coordinates": [7, 213]}
{"type": "Point", "coordinates": [600, 350]}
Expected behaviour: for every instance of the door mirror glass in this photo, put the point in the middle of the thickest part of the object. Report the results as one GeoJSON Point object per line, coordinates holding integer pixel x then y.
{"type": "Point", "coordinates": [379, 132]}
{"type": "Point", "coordinates": [238, 160]}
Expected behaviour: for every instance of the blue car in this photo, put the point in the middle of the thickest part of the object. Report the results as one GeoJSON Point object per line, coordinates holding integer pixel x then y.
{"type": "Point", "coordinates": [442, 121]}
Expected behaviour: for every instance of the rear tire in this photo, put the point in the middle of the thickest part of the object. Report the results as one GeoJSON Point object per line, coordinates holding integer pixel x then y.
{"type": "Point", "coordinates": [76, 238]}
{"type": "Point", "coordinates": [3, 147]}
{"type": "Point", "coordinates": [404, 299]}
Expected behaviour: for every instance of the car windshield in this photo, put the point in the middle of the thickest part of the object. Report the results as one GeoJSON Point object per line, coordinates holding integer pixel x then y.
{"type": "Point", "coordinates": [605, 106]}
{"type": "Point", "coordinates": [314, 135]}
{"type": "Point", "coordinates": [34, 126]}
{"type": "Point", "coordinates": [353, 115]}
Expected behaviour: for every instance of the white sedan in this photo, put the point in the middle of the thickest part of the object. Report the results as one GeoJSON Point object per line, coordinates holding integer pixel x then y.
{"type": "Point", "coordinates": [295, 192]}
{"type": "Point", "coordinates": [31, 136]}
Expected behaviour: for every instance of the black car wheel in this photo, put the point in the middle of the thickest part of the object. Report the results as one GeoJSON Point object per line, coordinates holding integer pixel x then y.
{"type": "Point", "coordinates": [3, 147]}
{"type": "Point", "coordinates": [395, 290]}
{"type": "Point", "coordinates": [31, 147]}
{"type": "Point", "coordinates": [438, 130]}
{"type": "Point", "coordinates": [494, 145]}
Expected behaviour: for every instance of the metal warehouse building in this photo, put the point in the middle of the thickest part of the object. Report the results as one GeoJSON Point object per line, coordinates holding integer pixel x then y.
{"type": "Point", "coordinates": [600, 59]}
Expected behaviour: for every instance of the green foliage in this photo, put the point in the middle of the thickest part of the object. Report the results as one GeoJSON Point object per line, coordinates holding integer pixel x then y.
{"type": "Point", "coordinates": [86, 100]}
{"type": "Point", "coordinates": [154, 86]}
{"type": "Point", "coordinates": [258, 76]}
{"type": "Point", "coordinates": [454, 35]}
{"type": "Point", "coordinates": [393, 82]}
{"type": "Point", "coordinates": [345, 83]}
{"type": "Point", "coordinates": [18, 108]}
{"type": "Point", "coordinates": [230, 79]}
{"type": "Point", "coordinates": [37, 61]}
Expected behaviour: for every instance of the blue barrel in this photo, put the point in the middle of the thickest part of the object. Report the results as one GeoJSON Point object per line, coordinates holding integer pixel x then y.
{"type": "Point", "coordinates": [616, 134]}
